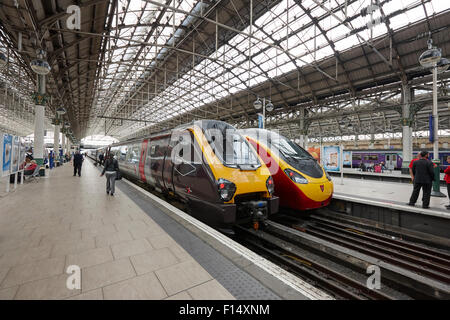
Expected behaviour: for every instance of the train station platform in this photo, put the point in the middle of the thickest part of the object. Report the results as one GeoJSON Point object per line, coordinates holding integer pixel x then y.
{"type": "Point", "coordinates": [388, 194]}
{"type": "Point", "coordinates": [387, 175]}
{"type": "Point", "coordinates": [127, 246]}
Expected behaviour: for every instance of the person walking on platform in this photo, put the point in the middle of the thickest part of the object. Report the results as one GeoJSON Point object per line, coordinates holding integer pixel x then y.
{"type": "Point", "coordinates": [101, 158]}
{"type": "Point", "coordinates": [77, 163]}
{"type": "Point", "coordinates": [423, 175]}
{"type": "Point", "coordinates": [110, 169]}
{"type": "Point", "coordinates": [447, 181]}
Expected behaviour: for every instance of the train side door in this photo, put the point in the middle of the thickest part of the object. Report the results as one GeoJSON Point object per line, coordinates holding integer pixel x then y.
{"type": "Point", "coordinates": [391, 160]}
{"type": "Point", "coordinates": [142, 160]}
{"type": "Point", "coordinates": [168, 165]}
{"type": "Point", "coordinates": [157, 153]}
{"type": "Point", "coordinates": [184, 166]}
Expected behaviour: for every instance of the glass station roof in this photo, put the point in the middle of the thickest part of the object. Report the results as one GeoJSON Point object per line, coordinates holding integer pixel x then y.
{"type": "Point", "coordinates": [281, 40]}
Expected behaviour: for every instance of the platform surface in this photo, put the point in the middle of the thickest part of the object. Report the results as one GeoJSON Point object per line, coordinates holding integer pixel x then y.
{"type": "Point", "coordinates": [386, 173]}
{"type": "Point", "coordinates": [123, 253]}
{"type": "Point", "coordinates": [387, 193]}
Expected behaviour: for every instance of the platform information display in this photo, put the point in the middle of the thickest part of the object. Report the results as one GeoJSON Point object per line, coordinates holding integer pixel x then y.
{"type": "Point", "coordinates": [331, 158]}
{"type": "Point", "coordinates": [15, 154]}
{"type": "Point", "coordinates": [6, 154]}
{"type": "Point", "coordinates": [347, 158]}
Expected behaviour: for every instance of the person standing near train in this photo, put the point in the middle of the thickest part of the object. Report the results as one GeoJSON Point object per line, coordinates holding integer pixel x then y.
{"type": "Point", "coordinates": [110, 169]}
{"type": "Point", "coordinates": [447, 181]}
{"type": "Point", "coordinates": [423, 175]}
{"type": "Point", "coordinates": [411, 165]}
{"type": "Point", "coordinates": [77, 163]}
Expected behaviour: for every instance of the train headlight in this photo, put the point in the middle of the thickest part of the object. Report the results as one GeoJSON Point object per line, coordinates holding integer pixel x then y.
{"type": "Point", "coordinates": [226, 189]}
{"type": "Point", "coordinates": [295, 176]}
{"type": "Point", "coordinates": [270, 185]}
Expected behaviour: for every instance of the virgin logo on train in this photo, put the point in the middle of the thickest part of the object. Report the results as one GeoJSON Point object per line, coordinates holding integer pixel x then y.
{"type": "Point", "coordinates": [321, 187]}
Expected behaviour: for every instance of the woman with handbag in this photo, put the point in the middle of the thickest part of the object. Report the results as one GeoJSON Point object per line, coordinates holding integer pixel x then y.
{"type": "Point", "coordinates": [111, 169]}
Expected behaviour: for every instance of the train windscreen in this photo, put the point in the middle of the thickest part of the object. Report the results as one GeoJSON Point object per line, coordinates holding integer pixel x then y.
{"type": "Point", "coordinates": [232, 149]}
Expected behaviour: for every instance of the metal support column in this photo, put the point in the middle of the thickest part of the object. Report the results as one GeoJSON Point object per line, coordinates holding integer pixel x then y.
{"type": "Point", "coordinates": [436, 161]}
{"type": "Point", "coordinates": [63, 147]}
{"type": "Point", "coordinates": [406, 128]}
{"type": "Point", "coordinates": [56, 143]}
{"type": "Point", "coordinates": [39, 114]}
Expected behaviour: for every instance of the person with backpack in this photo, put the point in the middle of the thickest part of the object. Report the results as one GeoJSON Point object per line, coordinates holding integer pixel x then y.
{"type": "Point", "coordinates": [110, 169]}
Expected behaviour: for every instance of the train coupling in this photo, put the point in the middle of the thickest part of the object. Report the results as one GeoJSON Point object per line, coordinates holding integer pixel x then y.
{"type": "Point", "coordinates": [258, 213]}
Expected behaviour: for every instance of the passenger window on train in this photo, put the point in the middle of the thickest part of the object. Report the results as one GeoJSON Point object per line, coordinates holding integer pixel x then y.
{"type": "Point", "coordinates": [152, 150]}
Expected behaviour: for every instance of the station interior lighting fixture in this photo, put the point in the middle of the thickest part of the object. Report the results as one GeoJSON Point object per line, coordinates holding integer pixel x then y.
{"type": "Point", "coordinates": [40, 64]}
{"type": "Point", "coordinates": [60, 111]}
{"type": "Point", "coordinates": [257, 104]}
{"type": "Point", "coordinates": [442, 65]}
{"type": "Point", "coordinates": [3, 60]}
{"type": "Point", "coordinates": [430, 57]}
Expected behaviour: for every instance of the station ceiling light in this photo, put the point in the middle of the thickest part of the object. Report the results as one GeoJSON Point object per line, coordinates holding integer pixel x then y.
{"type": "Point", "coordinates": [269, 106]}
{"type": "Point", "coordinates": [40, 67]}
{"type": "Point", "coordinates": [40, 64]}
{"type": "Point", "coordinates": [257, 104]}
{"type": "Point", "coordinates": [60, 111]}
{"type": "Point", "coordinates": [442, 65]}
{"type": "Point", "coordinates": [430, 57]}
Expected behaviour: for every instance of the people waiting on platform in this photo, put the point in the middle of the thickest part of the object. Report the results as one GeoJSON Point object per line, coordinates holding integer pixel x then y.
{"type": "Point", "coordinates": [77, 163]}
{"type": "Point", "coordinates": [411, 165]}
{"type": "Point", "coordinates": [362, 167]}
{"type": "Point", "coordinates": [447, 181]}
{"type": "Point", "coordinates": [423, 176]}
{"type": "Point", "coordinates": [101, 158]}
{"type": "Point", "coordinates": [111, 168]}
{"type": "Point", "coordinates": [30, 166]}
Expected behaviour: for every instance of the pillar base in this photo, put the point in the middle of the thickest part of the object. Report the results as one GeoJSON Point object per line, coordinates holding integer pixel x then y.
{"type": "Point", "coordinates": [438, 194]}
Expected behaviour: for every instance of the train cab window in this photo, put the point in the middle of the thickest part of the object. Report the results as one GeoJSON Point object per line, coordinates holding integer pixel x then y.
{"type": "Point", "coordinates": [356, 157]}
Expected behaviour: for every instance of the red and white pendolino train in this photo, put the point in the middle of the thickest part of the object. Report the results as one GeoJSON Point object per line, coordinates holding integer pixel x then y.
{"type": "Point", "coordinates": [226, 176]}
{"type": "Point", "coordinates": [301, 182]}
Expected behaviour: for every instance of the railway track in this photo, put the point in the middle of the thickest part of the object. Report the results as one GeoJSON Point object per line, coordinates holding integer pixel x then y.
{"type": "Point", "coordinates": [318, 273]}
{"type": "Point", "coordinates": [414, 269]}
{"type": "Point", "coordinates": [333, 254]}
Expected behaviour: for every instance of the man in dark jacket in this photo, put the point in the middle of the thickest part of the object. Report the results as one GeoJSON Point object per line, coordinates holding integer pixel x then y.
{"type": "Point", "coordinates": [422, 170]}
{"type": "Point", "coordinates": [100, 157]}
{"type": "Point", "coordinates": [77, 163]}
{"type": "Point", "coordinates": [111, 168]}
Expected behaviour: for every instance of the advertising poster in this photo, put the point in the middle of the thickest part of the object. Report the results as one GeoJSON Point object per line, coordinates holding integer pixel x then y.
{"type": "Point", "coordinates": [15, 155]}
{"type": "Point", "coordinates": [6, 154]}
{"type": "Point", "coordinates": [331, 158]}
{"type": "Point", "coordinates": [347, 158]}
{"type": "Point", "coordinates": [315, 153]}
